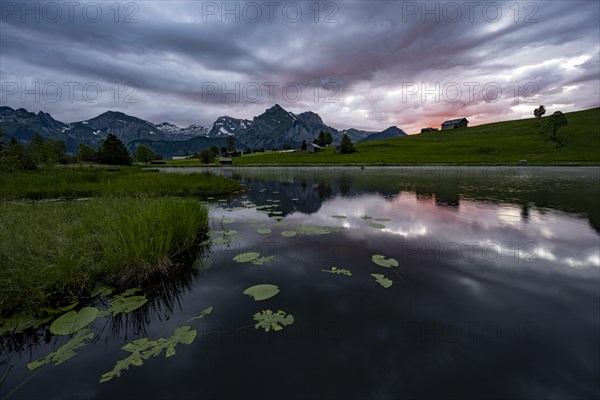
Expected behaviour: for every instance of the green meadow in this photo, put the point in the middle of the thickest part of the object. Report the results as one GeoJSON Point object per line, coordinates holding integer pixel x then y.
{"type": "Point", "coordinates": [498, 143]}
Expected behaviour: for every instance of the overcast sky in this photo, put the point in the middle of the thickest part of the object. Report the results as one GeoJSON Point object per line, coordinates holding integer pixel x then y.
{"type": "Point", "coordinates": [366, 65]}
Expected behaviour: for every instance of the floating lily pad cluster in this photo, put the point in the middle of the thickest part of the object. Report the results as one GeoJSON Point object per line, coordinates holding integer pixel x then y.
{"type": "Point", "coordinates": [254, 258]}
{"type": "Point", "coordinates": [144, 349]}
{"type": "Point", "coordinates": [227, 237]}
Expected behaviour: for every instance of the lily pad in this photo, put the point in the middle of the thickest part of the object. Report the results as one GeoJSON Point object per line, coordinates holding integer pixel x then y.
{"type": "Point", "coordinates": [382, 280]}
{"type": "Point", "coordinates": [73, 321]}
{"type": "Point", "coordinates": [246, 257]}
{"type": "Point", "coordinates": [64, 352]}
{"type": "Point", "coordinates": [338, 271]}
{"type": "Point", "coordinates": [366, 217]}
{"type": "Point", "coordinates": [21, 322]}
{"type": "Point", "coordinates": [224, 240]}
{"type": "Point", "coordinates": [122, 304]}
{"type": "Point", "coordinates": [338, 216]}
{"type": "Point", "coordinates": [382, 219]}
{"type": "Point", "coordinates": [264, 231]}
{"type": "Point", "coordinates": [382, 261]}
{"type": "Point", "coordinates": [204, 313]}
{"type": "Point", "coordinates": [288, 233]}
{"type": "Point", "coordinates": [268, 320]}
{"type": "Point", "coordinates": [59, 310]}
{"type": "Point", "coordinates": [262, 292]}
{"type": "Point", "coordinates": [228, 220]}
{"type": "Point", "coordinates": [100, 289]}
{"type": "Point", "coordinates": [144, 349]}
{"type": "Point", "coordinates": [263, 260]}
{"type": "Point", "coordinates": [376, 225]}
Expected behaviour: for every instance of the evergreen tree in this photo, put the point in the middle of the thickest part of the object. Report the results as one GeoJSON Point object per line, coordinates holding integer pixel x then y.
{"type": "Point", "coordinates": [230, 143]}
{"type": "Point", "coordinates": [113, 151]}
{"type": "Point", "coordinates": [346, 145]}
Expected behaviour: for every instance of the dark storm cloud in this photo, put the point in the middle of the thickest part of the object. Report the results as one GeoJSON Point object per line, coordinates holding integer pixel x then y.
{"type": "Point", "coordinates": [176, 52]}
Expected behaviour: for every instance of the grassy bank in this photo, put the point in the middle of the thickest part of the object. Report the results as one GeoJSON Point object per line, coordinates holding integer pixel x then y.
{"type": "Point", "coordinates": [498, 143]}
{"type": "Point", "coordinates": [127, 233]}
{"type": "Point", "coordinates": [53, 252]}
{"type": "Point", "coordinates": [121, 182]}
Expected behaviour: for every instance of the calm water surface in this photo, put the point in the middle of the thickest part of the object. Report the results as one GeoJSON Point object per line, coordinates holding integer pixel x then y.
{"type": "Point", "coordinates": [497, 293]}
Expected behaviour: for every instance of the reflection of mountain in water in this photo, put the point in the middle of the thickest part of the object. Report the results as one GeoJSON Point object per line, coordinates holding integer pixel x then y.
{"type": "Point", "coordinates": [570, 190]}
{"type": "Point", "coordinates": [304, 195]}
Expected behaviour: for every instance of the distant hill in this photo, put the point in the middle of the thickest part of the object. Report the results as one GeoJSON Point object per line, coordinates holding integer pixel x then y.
{"type": "Point", "coordinates": [497, 143]}
{"type": "Point", "coordinates": [391, 132]}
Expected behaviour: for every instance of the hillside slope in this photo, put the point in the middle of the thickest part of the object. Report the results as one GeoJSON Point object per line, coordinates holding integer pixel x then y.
{"type": "Point", "coordinates": [497, 143]}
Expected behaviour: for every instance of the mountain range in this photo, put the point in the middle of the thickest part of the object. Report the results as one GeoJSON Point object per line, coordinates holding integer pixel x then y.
{"type": "Point", "coordinates": [272, 129]}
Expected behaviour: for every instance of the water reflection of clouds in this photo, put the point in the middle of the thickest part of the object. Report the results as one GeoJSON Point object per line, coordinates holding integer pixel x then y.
{"type": "Point", "coordinates": [544, 236]}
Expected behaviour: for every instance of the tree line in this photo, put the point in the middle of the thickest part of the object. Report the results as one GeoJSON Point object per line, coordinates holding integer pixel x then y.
{"type": "Point", "coordinates": [40, 153]}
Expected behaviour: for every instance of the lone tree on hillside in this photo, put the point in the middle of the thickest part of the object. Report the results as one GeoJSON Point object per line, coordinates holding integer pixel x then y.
{"type": "Point", "coordinates": [557, 120]}
{"type": "Point", "coordinates": [539, 112]}
{"type": "Point", "coordinates": [303, 147]}
{"type": "Point", "coordinates": [346, 145]}
{"type": "Point", "coordinates": [113, 151]}
{"type": "Point", "coordinates": [144, 154]}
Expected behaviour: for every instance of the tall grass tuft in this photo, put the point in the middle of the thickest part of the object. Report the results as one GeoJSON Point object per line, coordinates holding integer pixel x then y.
{"type": "Point", "coordinates": [142, 243]}
{"type": "Point", "coordinates": [52, 252]}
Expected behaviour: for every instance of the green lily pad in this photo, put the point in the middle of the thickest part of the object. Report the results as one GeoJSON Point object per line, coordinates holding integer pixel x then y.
{"type": "Point", "coordinates": [21, 322]}
{"type": "Point", "coordinates": [338, 216]}
{"type": "Point", "coordinates": [59, 310]}
{"type": "Point", "coordinates": [338, 271]}
{"type": "Point", "coordinates": [382, 219]}
{"type": "Point", "coordinates": [144, 349]}
{"type": "Point", "coordinates": [382, 261]}
{"type": "Point", "coordinates": [204, 313]}
{"type": "Point", "coordinates": [382, 280]}
{"type": "Point", "coordinates": [263, 260]}
{"type": "Point", "coordinates": [246, 257]}
{"type": "Point", "coordinates": [228, 220]}
{"type": "Point", "coordinates": [376, 225]}
{"type": "Point", "coordinates": [73, 321]}
{"type": "Point", "coordinates": [64, 352]}
{"type": "Point", "coordinates": [264, 231]}
{"type": "Point", "coordinates": [262, 292]}
{"type": "Point", "coordinates": [100, 289]}
{"type": "Point", "coordinates": [288, 233]}
{"type": "Point", "coordinates": [366, 217]}
{"type": "Point", "coordinates": [224, 240]}
{"type": "Point", "coordinates": [268, 320]}
{"type": "Point", "coordinates": [126, 304]}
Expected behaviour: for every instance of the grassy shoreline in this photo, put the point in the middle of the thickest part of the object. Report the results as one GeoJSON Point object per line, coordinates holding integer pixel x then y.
{"type": "Point", "coordinates": [130, 232]}
{"type": "Point", "coordinates": [118, 182]}
{"type": "Point", "coordinates": [333, 165]}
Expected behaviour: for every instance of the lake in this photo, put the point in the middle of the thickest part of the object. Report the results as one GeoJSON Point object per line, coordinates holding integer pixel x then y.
{"type": "Point", "coordinates": [495, 293]}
